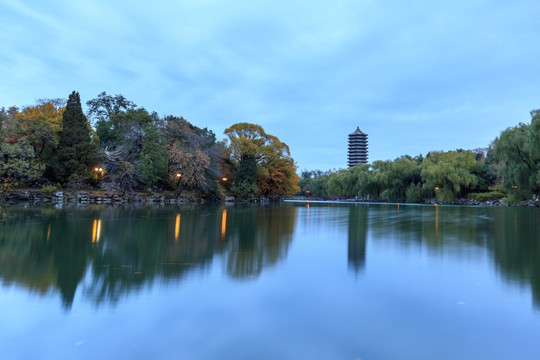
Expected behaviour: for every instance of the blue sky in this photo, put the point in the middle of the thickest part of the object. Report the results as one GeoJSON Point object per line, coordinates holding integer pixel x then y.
{"type": "Point", "coordinates": [415, 75]}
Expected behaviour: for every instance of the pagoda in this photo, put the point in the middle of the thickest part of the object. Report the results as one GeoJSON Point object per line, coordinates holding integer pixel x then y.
{"type": "Point", "coordinates": [358, 148]}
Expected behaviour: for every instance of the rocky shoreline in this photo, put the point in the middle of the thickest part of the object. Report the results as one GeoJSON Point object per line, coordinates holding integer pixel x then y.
{"type": "Point", "coordinates": [59, 198]}
{"type": "Point", "coordinates": [88, 197]}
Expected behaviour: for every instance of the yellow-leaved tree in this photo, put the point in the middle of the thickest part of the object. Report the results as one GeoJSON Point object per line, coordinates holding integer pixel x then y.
{"type": "Point", "coordinates": [260, 163]}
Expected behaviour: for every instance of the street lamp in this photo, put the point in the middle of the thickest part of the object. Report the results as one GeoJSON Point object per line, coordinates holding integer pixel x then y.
{"type": "Point", "coordinates": [99, 172]}
{"type": "Point", "coordinates": [178, 188]}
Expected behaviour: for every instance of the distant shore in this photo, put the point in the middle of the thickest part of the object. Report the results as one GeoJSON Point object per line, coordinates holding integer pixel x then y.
{"type": "Point", "coordinates": [533, 202]}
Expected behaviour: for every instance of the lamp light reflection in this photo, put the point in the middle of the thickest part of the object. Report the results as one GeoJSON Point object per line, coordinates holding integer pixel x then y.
{"type": "Point", "coordinates": [96, 231]}
{"type": "Point", "coordinates": [436, 220]}
{"type": "Point", "coordinates": [177, 227]}
{"type": "Point", "coordinates": [223, 223]}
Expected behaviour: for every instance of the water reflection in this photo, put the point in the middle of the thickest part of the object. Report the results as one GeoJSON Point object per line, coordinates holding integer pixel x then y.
{"type": "Point", "coordinates": [258, 239]}
{"type": "Point", "coordinates": [47, 250]}
{"type": "Point", "coordinates": [109, 252]}
{"type": "Point", "coordinates": [223, 223]}
{"type": "Point", "coordinates": [96, 231]}
{"type": "Point", "coordinates": [358, 226]}
{"type": "Point", "coordinates": [516, 247]}
{"type": "Point", "coordinates": [177, 227]}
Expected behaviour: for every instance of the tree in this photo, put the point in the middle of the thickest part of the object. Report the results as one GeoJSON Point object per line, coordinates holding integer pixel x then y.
{"type": "Point", "coordinates": [152, 165]}
{"type": "Point", "coordinates": [255, 154]}
{"type": "Point", "coordinates": [399, 175]}
{"type": "Point", "coordinates": [448, 174]}
{"type": "Point", "coordinates": [519, 149]}
{"type": "Point", "coordinates": [195, 154]}
{"type": "Point", "coordinates": [314, 183]}
{"type": "Point", "coordinates": [18, 164]}
{"type": "Point", "coordinates": [105, 111]}
{"type": "Point", "coordinates": [76, 152]}
{"type": "Point", "coordinates": [41, 125]}
{"type": "Point", "coordinates": [336, 184]}
{"type": "Point", "coordinates": [279, 178]}
{"type": "Point", "coordinates": [191, 168]}
{"type": "Point", "coordinates": [136, 139]}
{"type": "Point", "coordinates": [245, 178]}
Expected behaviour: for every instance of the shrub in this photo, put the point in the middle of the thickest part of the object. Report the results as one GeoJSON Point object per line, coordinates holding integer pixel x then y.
{"type": "Point", "coordinates": [497, 192]}
{"type": "Point", "coordinates": [48, 190]}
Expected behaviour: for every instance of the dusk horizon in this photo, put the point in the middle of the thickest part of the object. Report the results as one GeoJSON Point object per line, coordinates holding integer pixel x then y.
{"type": "Point", "coordinates": [416, 77]}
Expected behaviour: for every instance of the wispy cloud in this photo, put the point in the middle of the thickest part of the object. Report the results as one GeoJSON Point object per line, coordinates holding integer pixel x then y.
{"type": "Point", "coordinates": [416, 76]}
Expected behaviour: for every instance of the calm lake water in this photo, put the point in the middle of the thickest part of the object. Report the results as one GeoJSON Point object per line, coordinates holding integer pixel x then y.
{"type": "Point", "coordinates": [293, 281]}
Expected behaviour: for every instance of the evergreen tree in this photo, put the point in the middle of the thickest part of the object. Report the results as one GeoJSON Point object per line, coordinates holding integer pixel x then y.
{"type": "Point", "coordinates": [245, 184]}
{"type": "Point", "coordinates": [76, 152]}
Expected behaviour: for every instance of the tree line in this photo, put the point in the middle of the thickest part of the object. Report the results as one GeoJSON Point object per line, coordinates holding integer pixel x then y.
{"type": "Point", "coordinates": [509, 167]}
{"type": "Point", "coordinates": [53, 144]}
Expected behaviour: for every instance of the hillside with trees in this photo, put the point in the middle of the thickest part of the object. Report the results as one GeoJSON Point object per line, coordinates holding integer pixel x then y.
{"type": "Point", "coordinates": [129, 149]}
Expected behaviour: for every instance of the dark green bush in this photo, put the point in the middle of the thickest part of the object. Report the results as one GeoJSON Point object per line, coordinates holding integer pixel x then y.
{"type": "Point", "coordinates": [48, 190]}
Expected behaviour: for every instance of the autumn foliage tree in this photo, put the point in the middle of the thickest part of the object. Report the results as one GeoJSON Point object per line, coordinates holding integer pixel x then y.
{"type": "Point", "coordinates": [194, 154]}
{"type": "Point", "coordinates": [41, 125]}
{"type": "Point", "coordinates": [260, 163]}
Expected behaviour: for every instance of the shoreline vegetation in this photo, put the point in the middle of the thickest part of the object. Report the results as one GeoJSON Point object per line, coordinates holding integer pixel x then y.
{"type": "Point", "coordinates": [93, 197]}
{"type": "Point", "coordinates": [119, 153]}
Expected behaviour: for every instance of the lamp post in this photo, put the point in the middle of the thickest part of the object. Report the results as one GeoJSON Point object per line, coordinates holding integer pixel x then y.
{"type": "Point", "coordinates": [224, 184]}
{"type": "Point", "coordinates": [178, 191]}
{"type": "Point", "coordinates": [99, 172]}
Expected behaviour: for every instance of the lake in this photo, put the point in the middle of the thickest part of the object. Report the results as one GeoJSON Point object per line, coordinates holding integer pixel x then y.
{"type": "Point", "coordinates": [291, 281]}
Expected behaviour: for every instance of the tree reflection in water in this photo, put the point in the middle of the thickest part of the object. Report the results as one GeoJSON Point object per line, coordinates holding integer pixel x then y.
{"type": "Point", "coordinates": [48, 250]}
{"type": "Point", "coordinates": [358, 226]}
{"type": "Point", "coordinates": [110, 252]}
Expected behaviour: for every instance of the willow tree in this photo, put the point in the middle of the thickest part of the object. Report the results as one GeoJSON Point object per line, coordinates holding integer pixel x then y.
{"type": "Point", "coordinates": [260, 163]}
{"type": "Point", "coordinates": [448, 174]}
{"type": "Point", "coordinates": [519, 149]}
